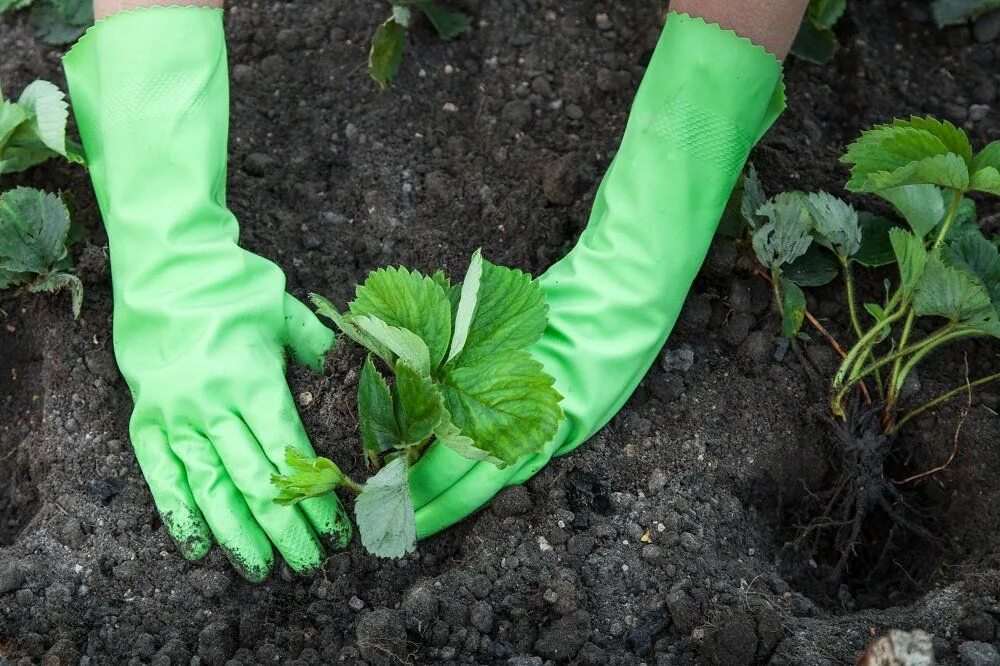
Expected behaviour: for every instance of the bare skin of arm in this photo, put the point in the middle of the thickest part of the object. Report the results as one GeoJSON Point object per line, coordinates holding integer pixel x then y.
{"type": "Point", "coordinates": [768, 23]}
{"type": "Point", "coordinates": [103, 8]}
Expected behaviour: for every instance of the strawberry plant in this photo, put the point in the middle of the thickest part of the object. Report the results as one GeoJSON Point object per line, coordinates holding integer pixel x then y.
{"type": "Point", "coordinates": [389, 40]}
{"type": "Point", "coordinates": [56, 22]}
{"type": "Point", "coordinates": [35, 228]}
{"type": "Point", "coordinates": [948, 271]}
{"type": "Point", "coordinates": [461, 376]}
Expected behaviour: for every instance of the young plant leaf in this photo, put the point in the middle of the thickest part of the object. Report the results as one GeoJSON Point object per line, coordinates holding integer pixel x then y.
{"type": "Point", "coordinates": [986, 180]}
{"type": "Point", "coordinates": [313, 477]}
{"type": "Point", "coordinates": [403, 344]}
{"type": "Point", "coordinates": [349, 327]}
{"type": "Point", "coordinates": [911, 256]}
{"type": "Point", "coordinates": [814, 42]}
{"type": "Point", "coordinates": [827, 12]}
{"type": "Point", "coordinates": [11, 117]}
{"type": "Point", "coordinates": [948, 292]}
{"type": "Point", "coordinates": [56, 281]}
{"type": "Point", "coordinates": [922, 206]}
{"type": "Point", "coordinates": [384, 512]}
{"type": "Point", "coordinates": [417, 403]}
{"type": "Point", "coordinates": [987, 157]}
{"type": "Point", "coordinates": [901, 147]}
{"type": "Point", "coordinates": [836, 222]}
{"type": "Point", "coordinates": [47, 112]}
{"type": "Point", "coordinates": [876, 248]}
{"type": "Point", "coordinates": [954, 12]}
{"type": "Point", "coordinates": [59, 22]}
{"type": "Point", "coordinates": [510, 314]}
{"type": "Point", "coordinates": [448, 23]}
{"type": "Point", "coordinates": [448, 434]}
{"type": "Point", "coordinates": [12, 278]}
{"type": "Point", "coordinates": [878, 314]}
{"type": "Point", "coordinates": [978, 257]}
{"type": "Point", "coordinates": [966, 220]}
{"type": "Point", "coordinates": [504, 402]}
{"type": "Point", "coordinates": [788, 233]}
{"type": "Point", "coordinates": [944, 170]}
{"type": "Point", "coordinates": [753, 197]}
{"type": "Point", "coordinates": [379, 431]}
{"type": "Point", "coordinates": [33, 230]}
{"type": "Point", "coordinates": [818, 266]}
{"type": "Point", "coordinates": [466, 305]}
{"type": "Point", "coordinates": [388, 44]}
{"type": "Point", "coordinates": [793, 307]}
{"type": "Point", "coordinates": [406, 299]}
{"type": "Point", "coordinates": [954, 139]}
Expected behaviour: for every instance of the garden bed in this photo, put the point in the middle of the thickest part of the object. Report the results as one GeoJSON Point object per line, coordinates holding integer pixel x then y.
{"type": "Point", "coordinates": [662, 540]}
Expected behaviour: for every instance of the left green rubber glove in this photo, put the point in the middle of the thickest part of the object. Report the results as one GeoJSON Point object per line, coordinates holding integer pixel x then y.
{"type": "Point", "coordinates": [200, 324]}
{"type": "Point", "coordinates": [706, 98]}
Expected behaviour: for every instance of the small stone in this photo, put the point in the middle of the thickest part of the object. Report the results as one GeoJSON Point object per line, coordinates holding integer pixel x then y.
{"type": "Point", "coordinates": [574, 112]}
{"type": "Point", "coordinates": [603, 22]}
{"type": "Point", "coordinates": [977, 653]}
{"type": "Point", "coordinates": [978, 112]}
{"type": "Point", "coordinates": [449, 107]}
{"type": "Point", "coordinates": [355, 604]}
{"type": "Point", "coordinates": [258, 164]}
{"type": "Point", "coordinates": [381, 637]}
{"type": "Point", "coordinates": [288, 39]}
{"type": "Point", "coordinates": [242, 73]}
{"type": "Point", "coordinates": [306, 398]}
{"type": "Point", "coordinates": [680, 359]}
{"type": "Point", "coordinates": [351, 132]}
{"type": "Point", "coordinates": [657, 481]}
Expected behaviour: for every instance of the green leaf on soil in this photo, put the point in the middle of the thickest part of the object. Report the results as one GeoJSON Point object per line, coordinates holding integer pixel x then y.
{"type": "Point", "coordinates": [945, 291]}
{"type": "Point", "coordinates": [379, 431]}
{"type": "Point", "coordinates": [793, 308]}
{"type": "Point", "coordinates": [56, 281]}
{"type": "Point", "coordinates": [818, 266]}
{"type": "Point", "coordinates": [510, 314]}
{"type": "Point", "coordinates": [467, 304]}
{"type": "Point", "coordinates": [59, 22]}
{"type": "Point", "coordinates": [876, 248]}
{"type": "Point", "coordinates": [814, 42]}
{"type": "Point", "coordinates": [448, 23]}
{"type": "Point", "coordinates": [313, 477]}
{"type": "Point", "coordinates": [388, 44]}
{"type": "Point", "coordinates": [787, 234]}
{"type": "Point", "coordinates": [922, 206]}
{"type": "Point", "coordinates": [944, 170]}
{"type": "Point", "coordinates": [911, 256]}
{"type": "Point", "coordinates": [384, 512]}
{"type": "Point", "coordinates": [504, 402]}
{"type": "Point", "coordinates": [836, 222]}
{"type": "Point", "coordinates": [979, 258]}
{"type": "Point", "coordinates": [405, 299]}
{"type": "Point", "coordinates": [954, 12]}
{"type": "Point", "coordinates": [753, 197]}
{"type": "Point", "coordinates": [903, 153]}
{"type": "Point", "coordinates": [47, 112]}
{"type": "Point", "coordinates": [33, 230]}
{"type": "Point", "coordinates": [417, 404]}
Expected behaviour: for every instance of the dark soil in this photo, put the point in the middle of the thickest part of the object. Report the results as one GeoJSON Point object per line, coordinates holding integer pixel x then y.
{"type": "Point", "coordinates": [660, 541]}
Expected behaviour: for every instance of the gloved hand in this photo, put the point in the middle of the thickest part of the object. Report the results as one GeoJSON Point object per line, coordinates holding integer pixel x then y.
{"type": "Point", "coordinates": [200, 325]}
{"type": "Point", "coordinates": [707, 97]}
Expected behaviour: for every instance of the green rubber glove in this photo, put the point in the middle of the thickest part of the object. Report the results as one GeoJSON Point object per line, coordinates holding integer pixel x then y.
{"type": "Point", "coordinates": [707, 97]}
{"type": "Point", "coordinates": [200, 325]}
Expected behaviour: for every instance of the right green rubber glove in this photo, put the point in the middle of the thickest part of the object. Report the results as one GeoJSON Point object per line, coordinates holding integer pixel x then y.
{"type": "Point", "coordinates": [707, 97]}
{"type": "Point", "coordinates": [200, 325]}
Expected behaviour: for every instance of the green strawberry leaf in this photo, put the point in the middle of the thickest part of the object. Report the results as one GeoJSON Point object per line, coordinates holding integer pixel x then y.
{"type": "Point", "coordinates": [448, 434]}
{"type": "Point", "coordinates": [814, 42]}
{"type": "Point", "coordinates": [313, 477]}
{"type": "Point", "coordinates": [388, 44]}
{"type": "Point", "coordinates": [793, 307]}
{"type": "Point", "coordinates": [55, 281]}
{"type": "Point", "coordinates": [510, 313]}
{"type": "Point", "coordinates": [59, 22]}
{"type": "Point", "coordinates": [954, 139]}
{"type": "Point", "coordinates": [11, 117]}
{"type": "Point", "coordinates": [922, 206]}
{"type": "Point", "coordinates": [878, 314]}
{"type": "Point", "coordinates": [753, 197]}
{"type": "Point", "coordinates": [33, 230]}
{"type": "Point", "coordinates": [979, 258]}
{"type": "Point", "coordinates": [466, 305]}
{"type": "Point", "coordinates": [827, 12]}
{"type": "Point", "coordinates": [899, 147]}
{"type": "Point", "coordinates": [876, 248]}
{"type": "Point", "coordinates": [349, 327]}
{"type": "Point", "coordinates": [405, 299]}
{"type": "Point", "coordinates": [987, 180]}
{"type": "Point", "coordinates": [911, 256]}
{"type": "Point", "coordinates": [448, 23]}
{"type": "Point", "coordinates": [788, 233]}
{"type": "Point", "coordinates": [945, 170]}
{"type": "Point", "coordinates": [417, 403]}
{"type": "Point", "coordinates": [47, 112]}
{"type": "Point", "coordinates": [384, 512]}
{"type": "Point", "coordinates": [945, 291]}
{"type": "Point", "coordinates": [836, 222]}
{"type": "Point", "coordinates": [954, 12]}
{"type": "Point", "coordinates": [504, 402]}
{"type": "Point", "coordinates": [379, 431]}
{"type": "Point", "coordinates": [987, 157]}
{"type": "Point", "coordinates": [815, 268]}
{"type": "Point", "coordinates": [402, 343]}
{"type": "Point", "coordinates": [12, 278]}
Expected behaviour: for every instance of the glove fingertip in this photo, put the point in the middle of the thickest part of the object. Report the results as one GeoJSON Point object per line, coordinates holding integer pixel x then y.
{"type": "Point", "coordinates": [189, 532]}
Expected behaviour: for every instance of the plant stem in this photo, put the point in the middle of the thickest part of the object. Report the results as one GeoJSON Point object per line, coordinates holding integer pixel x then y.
{"type": "Point", "coordinates": [351, 485]}
{"type": "Point", "coordinates": [894, 380]}
{"type": "Point", "coordinates": [941, 398]}
{"type": "Point", "coordinates": [853, 311]}
{"type": "Point", "coordinates": [920, 353]}
{"type": "Point", "coordinates": [776, 290]}
{"type": "Point", "coordinates": [859, 351]}
{"type": "Point", "coordinates": [898, 355]}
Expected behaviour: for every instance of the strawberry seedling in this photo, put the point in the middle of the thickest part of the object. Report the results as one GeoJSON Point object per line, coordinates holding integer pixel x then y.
{"type": "Point", "coordinates": [389, 40]}
{"type": "Point", "coordinates": [35, 228]}
{"type": "Point", "coordinates": [462, 376]}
